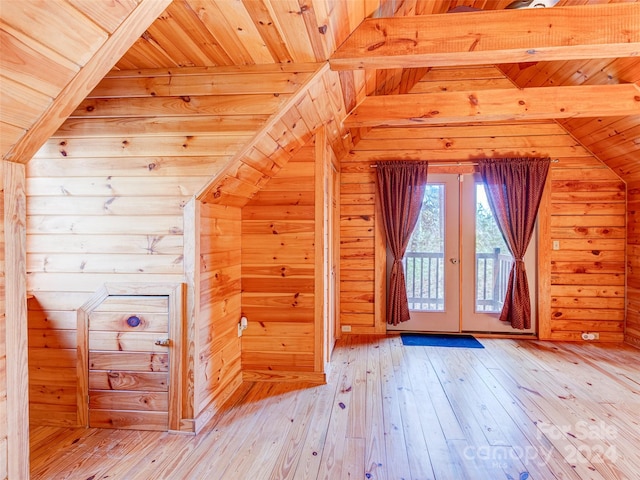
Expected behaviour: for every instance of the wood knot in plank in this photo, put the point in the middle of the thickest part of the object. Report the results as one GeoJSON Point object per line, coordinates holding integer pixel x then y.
{"type": "Point", "coordinates": [430, 114]}
{"type": "Point", "coordinates": [474, 44]}
{"type": "Point", "coordinates": [108, 203]}
{"type": "Point", "coordinates": [375, 46]}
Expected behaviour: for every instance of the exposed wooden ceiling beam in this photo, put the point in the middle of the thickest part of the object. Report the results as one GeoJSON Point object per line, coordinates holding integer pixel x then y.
{"type": "Point", "coordinates": [493, 37]}
{"type": "Point", "coordinates": [86, 79]}
{"type": "Point", "coordinates": [497, 105]}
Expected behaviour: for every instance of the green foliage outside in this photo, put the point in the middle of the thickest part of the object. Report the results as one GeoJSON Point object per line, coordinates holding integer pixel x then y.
{"type": "Point", "coordinates": [488, 236]}
{"type": "Point", "coordinates": [428, 235]}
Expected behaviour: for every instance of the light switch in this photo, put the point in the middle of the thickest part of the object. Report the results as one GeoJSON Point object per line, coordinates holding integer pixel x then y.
{"type": "Point", "coordinates": [556, 244]}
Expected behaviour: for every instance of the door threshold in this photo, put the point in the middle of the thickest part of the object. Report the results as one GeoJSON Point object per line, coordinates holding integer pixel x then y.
{"type": "Point", "coordinates": [515, 336]}
{"type": "Point", "coordinates": [426, 332]}
{"type": "Point", "coordinates": [512, 336]}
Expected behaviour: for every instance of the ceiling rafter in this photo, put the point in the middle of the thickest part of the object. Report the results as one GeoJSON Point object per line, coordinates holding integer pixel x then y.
{"type": "Point", "coordinates": [497, 105]}
{"type": "Point", "coordinates": [492, 37]}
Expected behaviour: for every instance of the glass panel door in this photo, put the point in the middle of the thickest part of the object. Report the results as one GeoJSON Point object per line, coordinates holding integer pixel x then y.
{"type": "Point", "coordinates": [431, 260]}
{"type": "Point", "coordinates": [486, 263]}
{"type": "Point", "coordinates": [448, 295]}
{"type": "Point", "coordinates": [493, 259]}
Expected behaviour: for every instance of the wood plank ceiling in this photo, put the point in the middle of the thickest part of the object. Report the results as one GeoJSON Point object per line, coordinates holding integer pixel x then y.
{"type": "Point", "coordinates": [210, 33]}
{"type": "Point", "coordinates": [249, 31]}
{"type": "Point", "coordinates": [52, 55]}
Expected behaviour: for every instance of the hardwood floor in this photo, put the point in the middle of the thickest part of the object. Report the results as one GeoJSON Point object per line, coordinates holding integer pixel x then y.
{"type": "Point", "coordinates": [513, 410]}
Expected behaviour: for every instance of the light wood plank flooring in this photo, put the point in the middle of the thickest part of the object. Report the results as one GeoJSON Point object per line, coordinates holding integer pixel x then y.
{"type": "Point", "coordinates": [514, 410]}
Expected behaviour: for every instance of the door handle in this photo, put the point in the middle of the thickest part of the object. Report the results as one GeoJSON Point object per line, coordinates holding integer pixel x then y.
{"type": "Point", "coordinates": [163, 342]}
{"type": "Point", "coordinates": [454, 261]}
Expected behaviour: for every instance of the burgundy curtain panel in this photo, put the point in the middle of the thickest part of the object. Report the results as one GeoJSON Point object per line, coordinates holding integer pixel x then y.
{"type": "Point", "coordinates": [514, 188]}
{"type": "Point", "coordinates": [400, 190]}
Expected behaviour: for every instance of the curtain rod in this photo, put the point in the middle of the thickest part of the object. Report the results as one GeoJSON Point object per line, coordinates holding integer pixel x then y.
{"type": "Point", "coordinates": [456, 164]}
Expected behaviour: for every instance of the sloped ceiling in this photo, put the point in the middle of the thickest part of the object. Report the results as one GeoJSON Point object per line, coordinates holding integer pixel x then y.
{"type": "Point", "coordinates": [612, 139]}
{"type": "Point", "coordinates": [53, 54]}
{"type": "Point", "coordinates": [54, 64]}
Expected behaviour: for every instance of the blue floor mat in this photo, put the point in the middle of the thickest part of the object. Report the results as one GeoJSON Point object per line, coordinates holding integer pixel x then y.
{"type": "Point", "coordinates": [440, 340]}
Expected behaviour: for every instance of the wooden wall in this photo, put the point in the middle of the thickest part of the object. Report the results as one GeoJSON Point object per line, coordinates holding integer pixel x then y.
{"type": "Point", "coordinates": [217, 346]}
{"type": "Point", "coordinates": [93, 217]}
{"type": "Point", "coordinates": [106, 194]}
{"type": "Point", "coordinates": [279, 273]}
{"type": "Point", "coordinates": [14, 387]}
{"type": "Point", "coordinates": [632, 329]}
{"type": "Point", "coordinates": [584, 280]}
{"type": "Point", "coordinates": [588, 272]}
{"type": "Point", "coordinates": [613, 140]}
{"type": "Point", "coordinates": [361, 296]}
{"type": "Point", "coordinates": [3, 338]}
{"type": "Point", "coordinates": [106, 197]}
{"type": "Point", "coordinates": [628, 168]}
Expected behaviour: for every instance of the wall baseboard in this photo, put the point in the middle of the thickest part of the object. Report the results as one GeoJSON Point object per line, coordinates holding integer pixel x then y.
{"type": "Point", "coordinates": [283, 376]}
{"type": "Point", "coordinates": [632, 340]}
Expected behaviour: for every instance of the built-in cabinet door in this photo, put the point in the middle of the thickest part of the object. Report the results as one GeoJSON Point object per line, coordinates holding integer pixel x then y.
{"type": "Point", "coordinates": [128, 340]}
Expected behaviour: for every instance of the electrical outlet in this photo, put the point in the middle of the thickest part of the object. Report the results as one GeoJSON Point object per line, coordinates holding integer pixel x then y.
{"type": "Point", "coordinates": [242, 325]}
{"type": "Point", "coordinates": [590, 335]}
{"type": "Point", "coordinates": [346, 328]}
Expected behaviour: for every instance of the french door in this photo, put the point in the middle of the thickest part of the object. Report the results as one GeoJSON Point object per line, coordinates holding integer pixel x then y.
{"type": "Point", "coordinates": [457, 264]}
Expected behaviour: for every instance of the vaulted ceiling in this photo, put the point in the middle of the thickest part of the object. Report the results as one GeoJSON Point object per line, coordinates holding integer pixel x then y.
{"type": "Point", "coordinates": [54, 53]}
